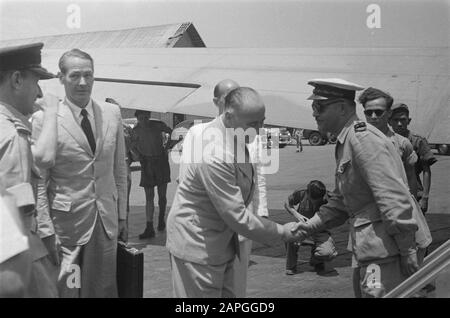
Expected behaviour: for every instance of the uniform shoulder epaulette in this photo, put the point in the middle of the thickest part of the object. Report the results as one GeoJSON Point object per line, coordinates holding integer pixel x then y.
{"type": "Point", "coordinates": [417, 136]}
{"type": "Point", "coordinates": [360, 126]}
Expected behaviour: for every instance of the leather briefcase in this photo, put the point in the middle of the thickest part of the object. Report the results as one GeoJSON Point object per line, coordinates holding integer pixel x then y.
{"type": "Point", "coordinates": [130, 271]}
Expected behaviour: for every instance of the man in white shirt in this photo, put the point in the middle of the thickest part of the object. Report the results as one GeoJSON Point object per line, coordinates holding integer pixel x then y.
{"type": "Point", "coordinates": [82, 201]}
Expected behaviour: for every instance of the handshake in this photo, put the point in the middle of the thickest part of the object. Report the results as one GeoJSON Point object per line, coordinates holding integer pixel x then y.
{"type": "Point", "coordinates": [296, 232]}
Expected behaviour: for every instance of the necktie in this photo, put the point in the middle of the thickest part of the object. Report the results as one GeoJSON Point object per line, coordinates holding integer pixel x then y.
{"type": "Point", "coordinates": [86, 126]}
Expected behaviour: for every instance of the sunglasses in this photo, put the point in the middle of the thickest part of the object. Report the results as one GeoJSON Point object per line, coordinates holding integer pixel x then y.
{"type": "Point", "coordinates": [319, 106]}
{"type": "Point", "coordinates": [378, 112]}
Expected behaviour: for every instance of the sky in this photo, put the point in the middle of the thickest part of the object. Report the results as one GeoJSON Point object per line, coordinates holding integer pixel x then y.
{"type": "Point", "coordinates": [233, 23]}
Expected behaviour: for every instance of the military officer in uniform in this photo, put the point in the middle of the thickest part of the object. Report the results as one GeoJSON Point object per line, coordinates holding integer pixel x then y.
{"type": "Point", "coordinates": [20, 71]}
{"type": "Point", "coordinates": [15, 263]}
{"type": "Point", "coordinates": [371, 192]}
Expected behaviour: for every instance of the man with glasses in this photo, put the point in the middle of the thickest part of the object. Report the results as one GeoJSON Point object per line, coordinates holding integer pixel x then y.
{"type": "Point", "coordinates": [377, 109]}
{"type": "Point", "coordinates": [371, 192]}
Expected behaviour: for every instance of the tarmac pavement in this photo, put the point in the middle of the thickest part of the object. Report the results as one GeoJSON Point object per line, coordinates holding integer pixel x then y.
{"type": "Point", "coordinates": [266, 276]}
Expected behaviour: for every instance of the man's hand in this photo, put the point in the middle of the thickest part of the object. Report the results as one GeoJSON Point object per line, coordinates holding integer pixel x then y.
{"type": "Point", "coordinates": [424, 204]}
{"type": "Point", "coordinates": [123, 231]}
{"type": "Point", "coordinates": [48, 103]}
{"type": "Point", "coordinates": [52, 245]}
{"type": "Point", "coordinates": [293, 233]}
{"type": "Point", "coordinates": [409, 264]}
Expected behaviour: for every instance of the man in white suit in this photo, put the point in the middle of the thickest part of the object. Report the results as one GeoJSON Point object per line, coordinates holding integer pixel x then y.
{"type": "Point", "coordinates": [83, 203]}
{"type": "Point", "coordinates": [210, 204]}
{"type": "Point", "coordinates": [258, 205]}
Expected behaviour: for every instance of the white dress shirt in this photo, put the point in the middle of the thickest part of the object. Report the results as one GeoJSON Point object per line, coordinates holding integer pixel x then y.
{"type": "Point", "coordinates": [78, 117]}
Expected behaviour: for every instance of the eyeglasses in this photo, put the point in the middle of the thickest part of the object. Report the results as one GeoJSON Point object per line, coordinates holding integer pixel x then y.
{"type": "Point", "coordinates": [378, 112]}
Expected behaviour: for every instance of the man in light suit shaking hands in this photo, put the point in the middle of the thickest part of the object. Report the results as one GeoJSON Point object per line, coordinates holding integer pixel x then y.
{"type": "Point", "coordinates": [82, 202]}
{"type": "Point", "coordinates": [210, 205]}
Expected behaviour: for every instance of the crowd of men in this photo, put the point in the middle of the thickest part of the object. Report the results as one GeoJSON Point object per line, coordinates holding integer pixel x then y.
{"type": "Point", "coordinates": [65, 173]}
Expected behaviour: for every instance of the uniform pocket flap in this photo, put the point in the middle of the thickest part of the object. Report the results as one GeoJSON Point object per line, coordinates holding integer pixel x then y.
{"type": "Point", "coordinates": [61, 205]}
{"type": "Point", "coordinates": [364, 221]}
{"type": "Point", "coordinates": [369, 214]}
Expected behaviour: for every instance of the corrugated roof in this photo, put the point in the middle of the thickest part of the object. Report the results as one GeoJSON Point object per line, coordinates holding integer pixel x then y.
{"type": "Point", "coordinates": [162, 36]}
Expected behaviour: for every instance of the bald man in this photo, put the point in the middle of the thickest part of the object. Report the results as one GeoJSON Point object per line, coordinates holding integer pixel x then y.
{"type": "Point", "coordinates": [210, 207]}
{"type": "Point", "coordinates": [258, 205]}
{"type": "Point", "coordinates": [220, 92]}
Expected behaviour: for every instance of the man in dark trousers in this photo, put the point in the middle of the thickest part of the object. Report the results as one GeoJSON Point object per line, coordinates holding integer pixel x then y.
{"type": "Point", "coordinates": [399, 122]}
{"type": "Point", "coordinates": [309, 201]}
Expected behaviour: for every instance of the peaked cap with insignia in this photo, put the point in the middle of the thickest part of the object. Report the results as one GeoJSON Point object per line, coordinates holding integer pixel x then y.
{"type": "Point", "coordinates": [330, 88]}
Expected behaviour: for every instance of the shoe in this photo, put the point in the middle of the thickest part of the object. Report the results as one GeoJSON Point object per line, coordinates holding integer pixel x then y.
{"type": "Point", "coordinates": [161, 226]}
{"type": "Point", "coordinates": [298, 150]}
{"type": "Point", "coordinates": [291, 271]}
{"type": "Point", "coordinates": [148, 233]}
{"type": "Point", "coordinates": [319, 268]}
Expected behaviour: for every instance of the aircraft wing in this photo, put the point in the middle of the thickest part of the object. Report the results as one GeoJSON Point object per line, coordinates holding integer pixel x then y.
{"type": "Point", "coordinates": [418, 77]}
{"type": "Point", "coordinates": [127, 82]}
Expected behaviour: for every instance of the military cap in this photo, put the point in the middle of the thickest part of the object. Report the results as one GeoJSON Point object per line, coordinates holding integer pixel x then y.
{"type": "Point", "coordinates": [329, 88]}
{"type": "Point", "coordinates": [399, 107]}
{"type": "Point", "coordinates": [24, 57]}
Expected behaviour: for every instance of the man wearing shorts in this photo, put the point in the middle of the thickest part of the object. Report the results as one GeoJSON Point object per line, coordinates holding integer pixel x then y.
{"type": "Point", "coordinates": [147, 142]}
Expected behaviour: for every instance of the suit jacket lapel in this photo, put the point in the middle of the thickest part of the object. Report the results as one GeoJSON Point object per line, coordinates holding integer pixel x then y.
{"type": "Point", "coordinates": [249, 171]}
{"type": "Point", "coordinates": [246, 168]}
{"type": "Point", "coordinates": [72, 127]}
{"type": "Point", "coordinates": [101, 126]}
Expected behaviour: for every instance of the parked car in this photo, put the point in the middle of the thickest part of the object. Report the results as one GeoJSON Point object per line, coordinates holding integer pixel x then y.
{"type": "Point", "coordinates": [315, 138]}
{"type": "Point", "coordinates": [130, 122]}
{"type": "Point", "coordinates": [282, 134]}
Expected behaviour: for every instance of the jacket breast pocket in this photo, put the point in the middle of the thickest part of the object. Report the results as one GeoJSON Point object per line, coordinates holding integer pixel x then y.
{"type": "Point", "coordinates": [343, 171]}
{"type": "Point", "coordinates": [371, 241]}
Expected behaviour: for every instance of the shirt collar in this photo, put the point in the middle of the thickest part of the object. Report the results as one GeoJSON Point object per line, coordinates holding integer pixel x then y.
{"type": "Point", "coordinates": [15, 116]}
{"type": "Point", "coordinates": [346, 129]}
{"type": "Point", "coordinates": [390, 133]}
{"type": "Point", "coordinates": [77, 110]}
{"type": "Point", "coordinates": [230, 138]}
